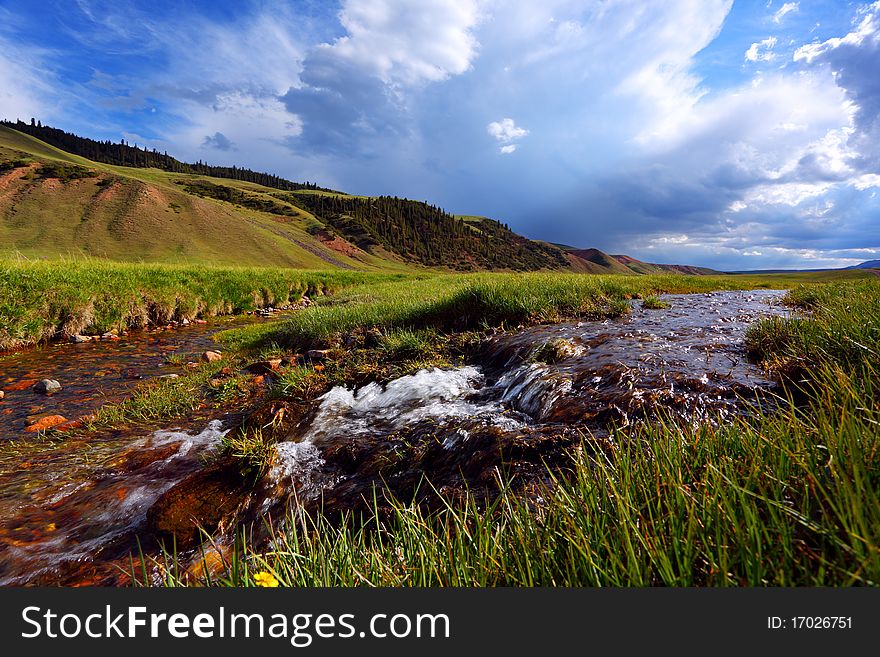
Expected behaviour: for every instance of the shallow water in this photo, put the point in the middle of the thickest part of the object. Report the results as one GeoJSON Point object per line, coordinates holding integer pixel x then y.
{"type": "Point", "coordinates": [71, 511]}
{"type": "Point", "coordinates": [96, 373]}
{"type": "Point", "coordinates": [53, 517]}
{"type": "Point", "coordinates": [65, 498]}
{"type": "Point", "coordinates": [686, 363]}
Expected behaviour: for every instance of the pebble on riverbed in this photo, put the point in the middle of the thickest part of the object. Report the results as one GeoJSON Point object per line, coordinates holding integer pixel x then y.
{"type": "Point", "coordinates": [2, 395]}
{"type": "Point", "coordinates": [47, 387]}
{"type": "Point", "coordinates": [79, 339]}
{"type": "Point", "coordinates": [46, 422]}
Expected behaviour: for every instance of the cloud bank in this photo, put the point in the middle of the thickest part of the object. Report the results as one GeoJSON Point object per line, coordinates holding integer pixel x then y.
{"type": "Point", "coordinates": [698, 131]}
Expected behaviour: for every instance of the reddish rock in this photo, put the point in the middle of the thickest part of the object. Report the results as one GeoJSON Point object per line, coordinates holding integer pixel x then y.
{"type": "Point", "coordinates": [142, 457]}
{"type": "Point", "coordinates": [22, 385]}
{"type": "Point", "coordinates": [71, 425]}
{"type": "Point", "coordinates": [265, 367]}
{"type": "Point", "coordinates": [47, 422]}
{"type": "Point", "coordinates": [204, 499]}
{"type": "Point", "coordinates": [2, 395]}
{"type": "Point", "coordinates": [259, 380]}
{"type": "Point", "coordinates": [211, 356]}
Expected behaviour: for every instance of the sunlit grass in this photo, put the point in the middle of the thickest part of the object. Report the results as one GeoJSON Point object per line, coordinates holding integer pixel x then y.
{"type": "Point", "coordinates": [42, 300]}
{"type": "Point", "coordinates": [467, 302]}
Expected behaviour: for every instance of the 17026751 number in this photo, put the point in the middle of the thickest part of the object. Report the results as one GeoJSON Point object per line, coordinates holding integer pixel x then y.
{"type": "Point", "coordinates": [809, 623]}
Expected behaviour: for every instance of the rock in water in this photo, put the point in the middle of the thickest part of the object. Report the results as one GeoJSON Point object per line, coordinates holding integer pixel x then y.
{"type": "Point", "coordinates": [211, 356]}
{"type": "Point", "coordinates": [46, 422]}
{"type": "Point", "coordinates": [79, 339]}
{"type": "Point", "coordinates": [202, 501]}
{"type": "Point", "coordinates": [2, 395]}
{"type": "Point", "coordinates": [47, 387]}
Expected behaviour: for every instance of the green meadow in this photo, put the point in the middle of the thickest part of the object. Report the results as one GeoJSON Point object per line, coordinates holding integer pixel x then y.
{"type": "Point", "coordinates": [44, 300]}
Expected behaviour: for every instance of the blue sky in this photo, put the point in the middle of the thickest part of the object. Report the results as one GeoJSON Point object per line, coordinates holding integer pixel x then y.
{"type": "Point", "coordinates": [737, 135]}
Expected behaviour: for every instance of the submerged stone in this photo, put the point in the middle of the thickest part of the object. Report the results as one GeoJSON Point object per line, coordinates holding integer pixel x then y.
{"type": "Point", "coordinates": [46, 422]}
{"type": "Point", "coordinates": [47, 387]}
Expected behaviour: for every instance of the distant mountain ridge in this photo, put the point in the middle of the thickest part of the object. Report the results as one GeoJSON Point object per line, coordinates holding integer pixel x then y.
{"type": "Point", "coordinates": [868, 264]}
{"type": "Point", "coordinates": [599, 262]}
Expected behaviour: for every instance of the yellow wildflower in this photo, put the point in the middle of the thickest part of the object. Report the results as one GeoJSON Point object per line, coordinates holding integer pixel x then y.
{"type": "Point", "coordinates": [265, 579]}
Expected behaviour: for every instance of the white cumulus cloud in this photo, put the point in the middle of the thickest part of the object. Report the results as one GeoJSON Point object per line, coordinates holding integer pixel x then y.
{"type": "Point", "coordinates": [761, 51]}
{"type": "Point", "coordinates": [784, 10]}
{"type": "Point", "coordinates": [506, 130]}
{"type": "Point", "coordinates": [407, 42]}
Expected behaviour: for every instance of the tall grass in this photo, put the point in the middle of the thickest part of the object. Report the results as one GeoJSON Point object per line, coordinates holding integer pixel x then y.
{"type": "Point", "coordinates": [842, 326]}
{"type": "Point", "coordinates": [789, 500]}
{"type": "Point", "coordinates": [42, 300]}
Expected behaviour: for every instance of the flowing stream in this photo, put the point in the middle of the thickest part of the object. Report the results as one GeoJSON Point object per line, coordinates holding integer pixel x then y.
{"type": "Point", "coordinates": [66, 513]}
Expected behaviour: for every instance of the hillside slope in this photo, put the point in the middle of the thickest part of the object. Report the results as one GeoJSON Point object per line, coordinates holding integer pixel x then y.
{"type": "Point", "coordinates": [640, 267]}
{"type": "Point", "coordinates": [868, 264]}
{"type": "Point", "coordinates": [54, 203]}
{"type": "Point", "coordinates": [158, 209]}
{"type": "Point", "coordinates": [594, 261]}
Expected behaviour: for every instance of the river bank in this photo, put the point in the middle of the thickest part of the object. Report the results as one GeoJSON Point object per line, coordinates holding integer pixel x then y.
{"type": "Point", "coordinates": [428, 434]}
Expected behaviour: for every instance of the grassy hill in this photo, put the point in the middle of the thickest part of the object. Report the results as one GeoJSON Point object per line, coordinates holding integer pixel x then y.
{"type": "Point", "coordinates": [594, 261]}
{"type": "Point", "coordinates": [54, 203]}
{"type": "Point", "coordinates": [640, 267]}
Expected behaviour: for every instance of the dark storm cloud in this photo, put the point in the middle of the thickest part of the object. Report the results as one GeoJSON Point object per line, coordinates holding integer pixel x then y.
{"type": "Point", "coordinates": [218, 141]}
{"type": "Point", "coordinates": [341, 108]}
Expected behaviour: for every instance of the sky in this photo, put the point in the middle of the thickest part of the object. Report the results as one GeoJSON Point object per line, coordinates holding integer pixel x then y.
{"type": "Point", "coordinates": [730, 134]}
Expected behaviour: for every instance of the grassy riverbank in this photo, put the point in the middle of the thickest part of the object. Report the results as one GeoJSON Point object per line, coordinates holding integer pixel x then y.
{"type": "Point", "coordinates": [465, 302]}
{"type": "Point", "coordinates": [788, 498]}
{"type": "Point", "coordinates": [42, 300]}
